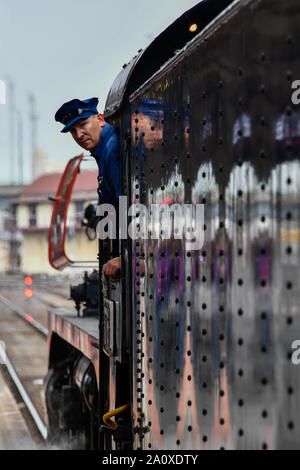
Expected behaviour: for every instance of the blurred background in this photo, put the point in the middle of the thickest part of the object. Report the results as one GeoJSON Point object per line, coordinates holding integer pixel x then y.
{"type": "Point", "coordinates": [51, 52]}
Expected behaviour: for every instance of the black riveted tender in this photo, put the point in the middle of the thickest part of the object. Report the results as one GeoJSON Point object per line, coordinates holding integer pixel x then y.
{"type": "Point", "coordinates": [196, 343]}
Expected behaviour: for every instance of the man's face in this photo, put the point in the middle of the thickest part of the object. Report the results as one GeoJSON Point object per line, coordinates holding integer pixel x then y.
{"type": "Point", "coordinates": [86, 132]}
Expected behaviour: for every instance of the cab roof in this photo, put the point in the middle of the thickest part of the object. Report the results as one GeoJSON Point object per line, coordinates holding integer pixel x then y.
{"type": "Point", "coordinates": [160, 50]}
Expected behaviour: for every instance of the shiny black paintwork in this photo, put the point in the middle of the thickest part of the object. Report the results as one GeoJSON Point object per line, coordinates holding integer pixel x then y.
{"type": "Point", "coordinates": [212, 329]}
{"type": "Point", "coordinates": [162, 48]}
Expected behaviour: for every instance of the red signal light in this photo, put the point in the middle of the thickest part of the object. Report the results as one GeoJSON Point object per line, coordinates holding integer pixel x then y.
{"type": "Point", "coordinates": [28, 281]}
{"type": "Point", "coordinates": [28, 293]}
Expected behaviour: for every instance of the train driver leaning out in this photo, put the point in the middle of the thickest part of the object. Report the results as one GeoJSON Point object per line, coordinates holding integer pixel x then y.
{"type": "Point", "coordinates": [89, 130]}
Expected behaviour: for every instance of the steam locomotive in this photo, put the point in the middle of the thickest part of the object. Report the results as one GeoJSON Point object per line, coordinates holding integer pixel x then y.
{"type": "Point", "coordinates": [192, 348]}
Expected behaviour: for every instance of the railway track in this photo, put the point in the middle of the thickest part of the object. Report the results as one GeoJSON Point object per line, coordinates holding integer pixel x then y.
{"type": "Point", "coordinates": [37, 306]}
{"type": "Point", "coordinates": [23, 347]}
{"type": "Point", "coordinates": [28, 318]}
{"type": "Point", "coordinates": [24, 353]}
{"type": "Point", "coordinates": [57, 290]}
{"type": "Point", "coordinates": [41, 426]}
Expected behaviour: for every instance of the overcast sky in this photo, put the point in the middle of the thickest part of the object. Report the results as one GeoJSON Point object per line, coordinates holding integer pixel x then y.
{"type": "Point", "coordinates": [64, 49]}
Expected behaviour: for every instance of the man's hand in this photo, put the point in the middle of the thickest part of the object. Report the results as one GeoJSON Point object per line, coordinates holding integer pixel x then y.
{"type": "Point", "coordinates": [113, 268]}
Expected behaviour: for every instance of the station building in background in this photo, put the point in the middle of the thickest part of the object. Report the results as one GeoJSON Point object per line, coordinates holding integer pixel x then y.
{"type": "Point", "coordinates": [30, 217]}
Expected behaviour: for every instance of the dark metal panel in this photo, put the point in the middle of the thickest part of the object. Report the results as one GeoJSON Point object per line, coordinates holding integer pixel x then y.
{"type": "Point", "coordinates": [213, 327]}
{"type": "Point", "coordinates": [117, 90]}
{"type": "Point", "coordinates": [164, 46]}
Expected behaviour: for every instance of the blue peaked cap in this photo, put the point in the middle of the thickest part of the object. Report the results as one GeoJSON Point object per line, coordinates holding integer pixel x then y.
{"type": "Point", "coordinates": [74, 110]}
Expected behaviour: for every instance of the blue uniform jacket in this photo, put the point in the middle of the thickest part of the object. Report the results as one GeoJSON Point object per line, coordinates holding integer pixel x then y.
{"type": "Point", "coordinates": [107, 155]}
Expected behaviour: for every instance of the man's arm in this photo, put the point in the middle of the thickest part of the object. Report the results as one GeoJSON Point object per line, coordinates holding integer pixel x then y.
{"type": "Point", "coordinates": [113, 268]}
{"type": "Point", "coordinates": [112, 164]}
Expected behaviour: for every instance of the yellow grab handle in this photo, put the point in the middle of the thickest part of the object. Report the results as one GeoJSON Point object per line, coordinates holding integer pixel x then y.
{"type": "Point", "coordinates": [109, 422]}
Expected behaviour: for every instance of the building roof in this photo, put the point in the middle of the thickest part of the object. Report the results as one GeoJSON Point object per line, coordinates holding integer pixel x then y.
{"type": "Point", "coordinates": [10, 190]}
{"type": "Point", "coordinates": [47, 184]}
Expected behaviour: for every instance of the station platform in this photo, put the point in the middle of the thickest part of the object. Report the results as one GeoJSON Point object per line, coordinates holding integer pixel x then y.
{"type": "Point", "coordinates": [14, 434]}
